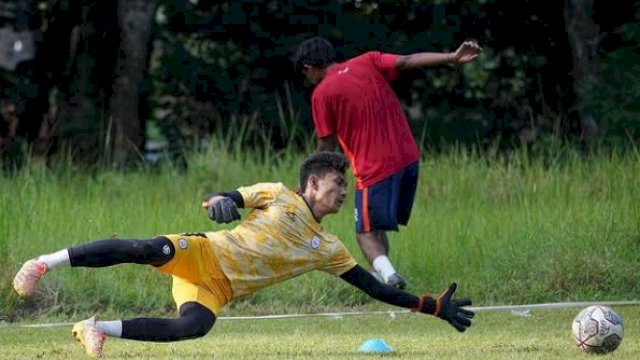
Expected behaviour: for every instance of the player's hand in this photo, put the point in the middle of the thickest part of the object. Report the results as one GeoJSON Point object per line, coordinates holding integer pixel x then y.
{"type": "Point", "coordinates": [451, 310]}
{"type": "Point", "coordinates": [224, 210]}
{"type": "Point", "coordinates": [466, 52]}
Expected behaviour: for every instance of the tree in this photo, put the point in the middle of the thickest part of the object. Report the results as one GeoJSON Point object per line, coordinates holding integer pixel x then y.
{"type": "Point", "coordinates": [102, 83]}
{"type": "Point", "coordinates": [84, 77]}
{"type": "Point", "coordinates": [584, 37]}
{"type": "Point", "coordinates": [129, 110]}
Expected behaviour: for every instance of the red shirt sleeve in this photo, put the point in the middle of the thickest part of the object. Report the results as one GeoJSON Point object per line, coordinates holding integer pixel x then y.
{"type": "Point", "coordinates": [322, 115]}
{"type": "Point", "coordinates": [386, 64]}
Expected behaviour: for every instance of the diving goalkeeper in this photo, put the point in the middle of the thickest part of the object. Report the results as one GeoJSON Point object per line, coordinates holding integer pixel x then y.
{"type": "Point", "coordinates": [280, 238]}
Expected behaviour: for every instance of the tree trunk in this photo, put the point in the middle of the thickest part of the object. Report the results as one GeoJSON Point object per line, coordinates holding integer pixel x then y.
{"type": "Point", "coordinates": [52, 57]}
{"type": "Point", "coordinates": [128, 103]}
{"type": "Point", "coordinates": [81, 126]}
{"type": "Point", "coordinates": [584, 38]}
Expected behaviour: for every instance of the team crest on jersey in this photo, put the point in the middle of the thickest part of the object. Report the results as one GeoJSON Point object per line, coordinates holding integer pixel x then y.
{"type": "Point", "coordinates": [183, 244]}
{"type": "Point", "coordinates": [315, 242]}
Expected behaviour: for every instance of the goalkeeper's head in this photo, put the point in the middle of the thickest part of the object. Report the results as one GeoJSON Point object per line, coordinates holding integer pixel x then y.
{"type": "Point", "coordinates": [322, 182]}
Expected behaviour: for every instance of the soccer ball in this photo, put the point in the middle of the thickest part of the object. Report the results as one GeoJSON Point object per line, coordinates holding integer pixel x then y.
{"type": "Point", "coordinates": [598, 329]}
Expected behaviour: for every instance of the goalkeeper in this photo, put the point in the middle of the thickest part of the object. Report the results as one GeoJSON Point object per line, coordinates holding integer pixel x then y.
{"type": "Point", "coordinates": [280, 238]}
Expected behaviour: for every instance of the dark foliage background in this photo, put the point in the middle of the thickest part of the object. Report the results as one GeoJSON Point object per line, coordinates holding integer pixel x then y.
{"type": "Point", "coordinates": [108, 77]}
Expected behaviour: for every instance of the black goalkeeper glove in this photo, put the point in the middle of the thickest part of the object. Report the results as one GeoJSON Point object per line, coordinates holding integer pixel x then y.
{"type": "Point", "coordinates": [224, 210]}
{"type": "Point", "coordinates": [447, 309]}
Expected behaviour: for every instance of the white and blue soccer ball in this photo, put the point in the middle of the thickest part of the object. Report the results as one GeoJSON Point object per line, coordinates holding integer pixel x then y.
{"type": "Point", "coordinates": [598, 329]}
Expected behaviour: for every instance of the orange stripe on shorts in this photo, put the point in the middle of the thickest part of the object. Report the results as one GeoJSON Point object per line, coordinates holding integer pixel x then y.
{"type": "Point", "coordinates": [365, 210]}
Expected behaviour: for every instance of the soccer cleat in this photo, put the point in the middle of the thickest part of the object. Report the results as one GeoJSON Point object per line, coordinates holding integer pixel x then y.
{"type": "Point", "coordinates": [397, 281]}
{"type": "Point", "coordinates": [91, 338]}
{"type": "Point", "coordinates": [26, 279]}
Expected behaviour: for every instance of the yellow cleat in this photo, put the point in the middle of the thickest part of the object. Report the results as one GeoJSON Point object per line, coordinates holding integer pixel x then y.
{"type": "Point", "coordinates": [91, 338]}
{"type": "Point", "coordinates": [26, 279]}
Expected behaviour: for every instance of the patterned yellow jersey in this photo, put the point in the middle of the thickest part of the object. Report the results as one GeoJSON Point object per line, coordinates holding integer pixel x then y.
{"type": "Point", "coordinates": [277, 240]}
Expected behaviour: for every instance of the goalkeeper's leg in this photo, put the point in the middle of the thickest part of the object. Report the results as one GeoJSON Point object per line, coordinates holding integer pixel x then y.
{"type": "Point", "coordinates": [99, 253]}
{"type": "Point", "coordinates": [195, 321]}
{"type": "Point", "coordinates": [108, 252]}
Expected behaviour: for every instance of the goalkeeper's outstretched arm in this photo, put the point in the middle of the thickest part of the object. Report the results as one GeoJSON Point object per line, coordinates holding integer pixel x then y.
{"type": "Point", "coordinates": [443, 306]}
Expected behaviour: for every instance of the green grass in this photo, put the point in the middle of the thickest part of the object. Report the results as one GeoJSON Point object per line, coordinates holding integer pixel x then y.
{"type": "Point", "coordinates": [545, 334]}
{"type": "Point", "coordinates": [516, 230]}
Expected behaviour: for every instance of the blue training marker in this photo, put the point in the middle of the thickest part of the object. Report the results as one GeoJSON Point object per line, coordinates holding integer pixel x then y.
{"type": "Point", "coordinates": [375, 346]}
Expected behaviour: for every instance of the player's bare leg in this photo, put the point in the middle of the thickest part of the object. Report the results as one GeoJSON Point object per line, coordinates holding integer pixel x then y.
{"type": "Point", "coordinates": [375, 247]}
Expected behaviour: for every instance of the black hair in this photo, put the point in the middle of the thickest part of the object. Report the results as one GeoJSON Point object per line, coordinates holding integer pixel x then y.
{"type": "Point", "coordinates": [320, 164]}
{"type": "Point", "coordinates": [315, 51]}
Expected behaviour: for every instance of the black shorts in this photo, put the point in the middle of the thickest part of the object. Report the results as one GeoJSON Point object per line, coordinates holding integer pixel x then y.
{"type": "Point", "coordinates": [387, 204]}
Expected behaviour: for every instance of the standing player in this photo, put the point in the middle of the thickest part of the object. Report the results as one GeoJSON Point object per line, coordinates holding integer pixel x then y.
{"type": "Point", "coordinates": [280, 238]}
{"type": "Point", "coordinates": [354, 105]}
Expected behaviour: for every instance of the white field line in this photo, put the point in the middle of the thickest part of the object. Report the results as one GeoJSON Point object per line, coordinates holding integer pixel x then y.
{"type": "Point", "coordinates": [517, 310]}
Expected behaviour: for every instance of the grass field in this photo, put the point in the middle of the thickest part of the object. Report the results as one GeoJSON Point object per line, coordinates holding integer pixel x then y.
{"type": "Point", "coordinates": [515, 229]}
{"type": "Point", "coordinates": [545, 334]}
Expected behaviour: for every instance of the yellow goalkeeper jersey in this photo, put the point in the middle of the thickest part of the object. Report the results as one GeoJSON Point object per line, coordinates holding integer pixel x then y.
{"type": "Point", "coordinates": [277, 240]}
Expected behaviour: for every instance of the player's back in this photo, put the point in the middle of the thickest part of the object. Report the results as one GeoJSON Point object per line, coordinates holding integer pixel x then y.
{"type": "Point", "coordinates": [360, 79]}
{"type": "Point", "coordinates": [356, 101]}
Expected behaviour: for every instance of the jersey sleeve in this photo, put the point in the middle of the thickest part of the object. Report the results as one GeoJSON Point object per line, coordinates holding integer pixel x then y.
{"type": "Point", "coordinates": [340, 260]}
{"type": "Point", "coordinates": [259, 195]}
{"type": "Point", "coordinates": [322, 114]}
{"type": "Point", "coordinates": [386, 64]}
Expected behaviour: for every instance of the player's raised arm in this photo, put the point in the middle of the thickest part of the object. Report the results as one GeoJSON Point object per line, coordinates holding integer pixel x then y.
{"type": "Point", "coordinates": [444, 307]}
{"type": "Point", "coordinates": [466, 52]}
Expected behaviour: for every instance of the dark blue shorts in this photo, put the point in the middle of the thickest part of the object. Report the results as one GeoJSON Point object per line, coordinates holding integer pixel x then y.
{"type": "Point", "coordinates": [388, 203]}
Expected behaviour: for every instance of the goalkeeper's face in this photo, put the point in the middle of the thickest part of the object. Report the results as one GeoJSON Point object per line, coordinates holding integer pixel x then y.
{"type": "Point", "coordinates": [331, 191]}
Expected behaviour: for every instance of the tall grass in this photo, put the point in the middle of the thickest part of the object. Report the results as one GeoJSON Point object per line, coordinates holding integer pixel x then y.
{"type": "Point", "coordinates": [514, 229]}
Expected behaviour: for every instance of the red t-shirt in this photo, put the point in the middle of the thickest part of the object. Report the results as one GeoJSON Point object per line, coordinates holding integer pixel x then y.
{"type": "Point", "coordinates": [356, 103]}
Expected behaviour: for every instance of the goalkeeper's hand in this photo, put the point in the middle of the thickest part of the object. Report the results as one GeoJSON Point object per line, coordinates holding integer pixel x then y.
{"type": "Point", "coordinates": [448, 309]}
{"type": "Point", "coordinates": [224, 210]}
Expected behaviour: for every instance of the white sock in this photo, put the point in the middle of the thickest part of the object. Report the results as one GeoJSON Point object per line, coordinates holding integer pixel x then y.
{"type": "Point", "coordinates": [111, 328]}
{"type": "Point", "coordinates": [383, 266]}
{"type": "Point", "coordinates": [57, 258]}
